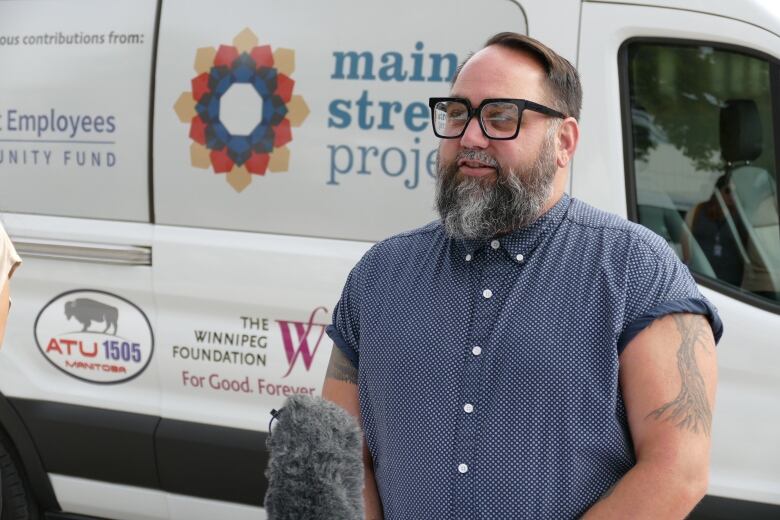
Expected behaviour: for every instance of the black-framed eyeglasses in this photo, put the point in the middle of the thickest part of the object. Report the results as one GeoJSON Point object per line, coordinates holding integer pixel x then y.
{"type": "Point", "coordinates": [499, 118]}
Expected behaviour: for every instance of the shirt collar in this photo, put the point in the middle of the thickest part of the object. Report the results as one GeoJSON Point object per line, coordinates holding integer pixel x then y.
{"type": "Point", "coordinates": [524, 240]}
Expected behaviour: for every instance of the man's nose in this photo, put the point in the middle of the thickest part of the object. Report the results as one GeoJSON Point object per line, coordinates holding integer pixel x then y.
{"type": "Point", "coordinates": [473, 137]}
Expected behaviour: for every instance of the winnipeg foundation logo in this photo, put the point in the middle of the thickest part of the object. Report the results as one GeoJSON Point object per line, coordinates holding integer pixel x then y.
{"type": "Point", "coordinates": [302, 339]}
{"type": "Point", "coordinates": [241, 109]}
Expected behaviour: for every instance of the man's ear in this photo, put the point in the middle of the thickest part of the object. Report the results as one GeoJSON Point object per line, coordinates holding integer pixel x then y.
{"type": "Point", "coordinates": [568, 137]}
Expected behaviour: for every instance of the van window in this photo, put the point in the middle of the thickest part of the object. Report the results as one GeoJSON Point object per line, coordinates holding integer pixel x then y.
{"type": "Point", "coordinates": [704, 165]}
{"type": "Point", "coordinates": [74, 110]}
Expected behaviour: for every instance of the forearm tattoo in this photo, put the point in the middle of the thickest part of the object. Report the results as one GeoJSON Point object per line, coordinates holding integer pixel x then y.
{"type": "Point", "coordinates": [690, 410]}
{"type": "Point", "coordinates": [340, 368]}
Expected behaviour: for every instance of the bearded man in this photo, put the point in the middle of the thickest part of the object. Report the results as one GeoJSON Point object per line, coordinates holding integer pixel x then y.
{"type": "Point", "coordinates": [526, 356]}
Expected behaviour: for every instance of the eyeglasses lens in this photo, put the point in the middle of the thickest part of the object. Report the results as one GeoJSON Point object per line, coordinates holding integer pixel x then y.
{"type": "Point", "coordinates": [450, 117]}
{"type": "Point", "coordinates": [500, 120]}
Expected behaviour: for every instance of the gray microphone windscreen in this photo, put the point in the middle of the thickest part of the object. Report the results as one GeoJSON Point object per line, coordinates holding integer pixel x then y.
{"type": "Point", "coordinates": [315, 468]}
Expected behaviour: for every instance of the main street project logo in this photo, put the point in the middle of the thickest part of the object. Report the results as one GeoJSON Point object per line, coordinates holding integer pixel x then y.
{"type": "Point", "coordinates": [241, 109]}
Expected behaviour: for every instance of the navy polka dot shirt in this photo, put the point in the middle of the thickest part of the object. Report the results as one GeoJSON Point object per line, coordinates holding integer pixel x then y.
{"type": "Point", "coordinates": [488, 371]}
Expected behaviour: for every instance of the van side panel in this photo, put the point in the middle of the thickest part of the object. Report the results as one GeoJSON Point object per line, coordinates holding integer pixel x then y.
{"type": "Point", "coordinates": [91, 442]}
{"type": "Point", "coordinates": [212, 462]}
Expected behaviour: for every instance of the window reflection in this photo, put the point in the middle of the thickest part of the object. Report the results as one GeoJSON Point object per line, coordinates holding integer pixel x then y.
{"type": "Point", "coordinates": [704, 160]}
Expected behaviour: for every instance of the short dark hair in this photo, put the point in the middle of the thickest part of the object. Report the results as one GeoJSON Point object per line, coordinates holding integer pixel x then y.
{"type": "Point", "coordinates": [563, 81]}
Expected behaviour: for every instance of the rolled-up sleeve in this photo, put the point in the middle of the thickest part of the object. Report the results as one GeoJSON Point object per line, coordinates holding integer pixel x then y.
{"type": "Point", "coordinates": [660, 284]}
{"type": "Point", "coordinates": [345, 328]}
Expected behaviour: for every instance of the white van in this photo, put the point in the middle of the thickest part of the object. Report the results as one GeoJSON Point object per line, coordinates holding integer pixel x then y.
{"type": "Point", "coordinates": [189, 183]}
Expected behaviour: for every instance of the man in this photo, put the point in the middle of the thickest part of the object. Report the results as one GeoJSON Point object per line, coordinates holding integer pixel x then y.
{"type": "Point", "coordinates": [528, 356]}
{"type": "Point", "coordinates": [9, 261]}
{"type": "Point", "coordinates": [722, 243]}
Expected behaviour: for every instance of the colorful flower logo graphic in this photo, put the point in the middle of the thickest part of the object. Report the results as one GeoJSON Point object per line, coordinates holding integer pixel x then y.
{"type": "Point", "coordinates": [251, 79]}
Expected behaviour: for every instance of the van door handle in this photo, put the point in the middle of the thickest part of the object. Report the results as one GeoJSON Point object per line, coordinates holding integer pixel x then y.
{"type": "Point", "coordinates": [83, 251]}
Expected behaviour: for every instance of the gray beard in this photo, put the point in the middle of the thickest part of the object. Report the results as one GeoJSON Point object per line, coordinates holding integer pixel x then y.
{"type": "Point", "coordinates": [471, 209]}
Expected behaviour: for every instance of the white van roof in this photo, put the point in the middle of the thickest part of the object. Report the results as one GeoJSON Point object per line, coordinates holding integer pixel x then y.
{"type": "Point", "coordinates": [762, 13]}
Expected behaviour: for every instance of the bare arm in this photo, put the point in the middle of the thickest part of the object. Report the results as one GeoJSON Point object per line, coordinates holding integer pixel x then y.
{"type": "Point", "coordinates": [668, 375]}
{"type": "Point", "coordinates": [4, 307]}
{"type": "Point", "coordinates": [341, 388]}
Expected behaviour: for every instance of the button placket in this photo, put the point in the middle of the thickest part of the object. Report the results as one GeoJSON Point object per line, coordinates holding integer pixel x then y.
{"type": "Point", "coordinates": [470, 385]}
{"type": "Point", "coordinates": [488, 270]}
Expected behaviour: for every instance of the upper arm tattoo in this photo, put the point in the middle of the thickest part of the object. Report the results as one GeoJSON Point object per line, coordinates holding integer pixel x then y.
{"type": "Point", "coordinates": [340, 367]}
{"type": "Point", "coordinates": [690, 410]}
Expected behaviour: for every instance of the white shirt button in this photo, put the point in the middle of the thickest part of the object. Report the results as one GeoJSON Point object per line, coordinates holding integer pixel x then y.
{"type": "Point", "coordinates": [495, 244]}
{"type": "Point", "coordinates": [468, 258]}
{"type": "Point", "coordinates": [476, 351]}
{"type": "Point", "coordinates": [463, 468]}
{"type": "Point", "coordinates": [468, 407]}
{"type": "Point", "coordinates": [519, 258]}
{"type": "Point", "coordinates": [487, 293]}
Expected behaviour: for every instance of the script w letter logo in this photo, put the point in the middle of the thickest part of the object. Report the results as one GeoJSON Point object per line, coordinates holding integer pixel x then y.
{"type": "Point", "coordinates": [295, 336]}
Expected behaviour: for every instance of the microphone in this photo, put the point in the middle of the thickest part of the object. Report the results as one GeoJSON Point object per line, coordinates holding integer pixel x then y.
{"type": "Point", "coordinates": [315, 468]}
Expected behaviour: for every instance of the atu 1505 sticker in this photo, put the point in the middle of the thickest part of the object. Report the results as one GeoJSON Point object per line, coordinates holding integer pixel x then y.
{"type": "Point", "coordinates": [95, 336]}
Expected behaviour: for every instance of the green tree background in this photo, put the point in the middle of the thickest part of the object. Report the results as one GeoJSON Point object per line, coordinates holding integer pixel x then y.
{"type": "Point", "coordinates": [677, 92]}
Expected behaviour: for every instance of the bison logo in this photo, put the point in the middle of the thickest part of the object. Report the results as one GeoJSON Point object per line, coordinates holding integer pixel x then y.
{"type": "Point", "coordinates": [86, 311]}
{"type": "Point", "coordinates": [99, 355]}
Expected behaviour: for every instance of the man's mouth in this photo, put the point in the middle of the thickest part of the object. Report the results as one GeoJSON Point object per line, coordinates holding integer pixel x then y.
{"type": "Point", "coordinates": [474, 168]}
